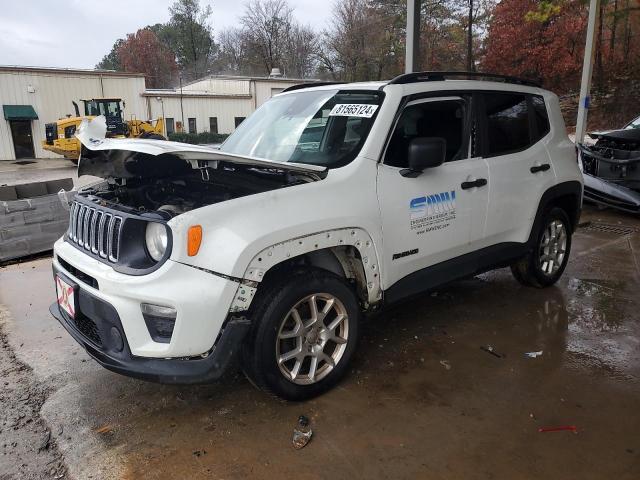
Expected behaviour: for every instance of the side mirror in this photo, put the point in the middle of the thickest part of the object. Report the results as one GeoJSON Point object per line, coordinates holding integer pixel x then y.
{"type": "Point", "coordinates": [424, 152]}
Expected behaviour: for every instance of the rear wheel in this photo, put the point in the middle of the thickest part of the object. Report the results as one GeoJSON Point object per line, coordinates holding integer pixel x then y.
{"type": "Point", "coordinates": [544, 265]}
{"type": "Point", "coordinates": [304, 334]}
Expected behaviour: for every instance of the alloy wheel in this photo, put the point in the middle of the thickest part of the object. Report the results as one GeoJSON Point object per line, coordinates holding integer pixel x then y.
{"type": "Point", "coordinates": [312, 338]}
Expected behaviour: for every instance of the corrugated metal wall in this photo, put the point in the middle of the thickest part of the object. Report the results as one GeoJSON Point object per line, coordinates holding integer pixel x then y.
{"type": "Point", "coordinates": [250, 94]}
{"type": "Point", "coordinates": [265, 89]}
{"type": "Point", "coordinates": [201, 108]}
{"type": "Point", "coordinates": [52, 96]}
{"type": "Point", "coordinates": [53, 91]}
{"type": "Point", "coordinates": [220, 86]}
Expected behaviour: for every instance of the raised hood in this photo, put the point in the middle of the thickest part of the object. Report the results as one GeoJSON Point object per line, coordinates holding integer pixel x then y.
{"type": "Point", "coordinates": [128, 157]}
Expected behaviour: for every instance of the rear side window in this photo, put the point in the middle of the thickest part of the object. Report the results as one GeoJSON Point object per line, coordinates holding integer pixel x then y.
{"type": "Point", "coordinates": [507, 123]}
{"type": "Point", "coordinates": [541, 119]}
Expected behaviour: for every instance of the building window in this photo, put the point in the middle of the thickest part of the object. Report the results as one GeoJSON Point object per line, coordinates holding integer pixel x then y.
{"type": "Point", "coordinates": [170, 124]}
{"type": "Point", "coordinates": [239, 120]}
{"type": "Point", "coordinates": [213, 124]}
{"type": "Point", "coordinates": [192, 126]}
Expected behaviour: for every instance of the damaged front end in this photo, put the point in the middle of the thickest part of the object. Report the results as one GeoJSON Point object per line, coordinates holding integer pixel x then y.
{"type": "Point", "coordinates": [173, 178]}
{"type": "Point", "coordinates": [611, 169]}
{"type": "Point", "coordinates": [124, 220]}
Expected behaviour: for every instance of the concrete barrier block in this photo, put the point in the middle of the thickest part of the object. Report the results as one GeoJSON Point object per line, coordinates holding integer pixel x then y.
{"type": "Point", "coordinates": [54, 186]}
{"type": "Point", "coordinates": [17, 206]}
{"type": "Point", "coordinates": [8, 192]}
{"type": "Point", "coordinates": [15, 249]}
{"type": "Point", "coordinates": [30, 190]}
{"type": "Point", "coordinates": [16, 232]}
{"type": "Point", "coordinates": [29, 226]}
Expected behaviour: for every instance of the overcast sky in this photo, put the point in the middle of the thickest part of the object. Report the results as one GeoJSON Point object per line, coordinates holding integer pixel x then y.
{"type": "Point", "coordinates": [78, 33]}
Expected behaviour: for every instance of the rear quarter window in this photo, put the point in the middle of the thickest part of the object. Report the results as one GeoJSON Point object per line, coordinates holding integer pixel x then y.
{"type": "Point", "coordinates": [513, 122]}
{"type": "Point", "coordinates": [541, 118]}
{"type": "Point", "coordinates": [507, 123]}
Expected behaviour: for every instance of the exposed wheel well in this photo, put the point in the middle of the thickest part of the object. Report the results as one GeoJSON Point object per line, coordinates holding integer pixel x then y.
{"type": "Point", "coordinates": [566, 195]}
{"type": "Point", "coordinates": [344, 261]}
{"type": "Point", "coordinates": [570, 203]}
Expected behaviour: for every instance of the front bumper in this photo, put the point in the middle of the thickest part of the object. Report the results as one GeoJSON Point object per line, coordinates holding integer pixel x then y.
{"type": "Point", "coordinates": [205, 339]}
{"type": "Point", "coordinates": [171, 370]}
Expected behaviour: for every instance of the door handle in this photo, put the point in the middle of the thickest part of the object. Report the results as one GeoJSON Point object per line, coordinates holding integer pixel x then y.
{"type": "Point", "coordinates": [540, 168]}
{"type": "Point", "coordinates": [481, 182]}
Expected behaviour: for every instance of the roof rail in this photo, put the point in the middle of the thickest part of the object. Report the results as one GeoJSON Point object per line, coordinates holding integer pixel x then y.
{"type": "Point", "coordinates": [300, 86]}
{"type": "Point", "coordinates": [435, 76]}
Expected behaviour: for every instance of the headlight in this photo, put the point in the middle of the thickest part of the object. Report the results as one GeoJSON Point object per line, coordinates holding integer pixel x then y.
{"type": "Point", "coordinates": [156, 238]}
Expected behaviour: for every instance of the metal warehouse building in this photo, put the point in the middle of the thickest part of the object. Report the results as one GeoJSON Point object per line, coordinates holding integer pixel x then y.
{"type": "Point", "coordinates": [32, 96]}
{"type": "Point", "coordinates": [215, 104]}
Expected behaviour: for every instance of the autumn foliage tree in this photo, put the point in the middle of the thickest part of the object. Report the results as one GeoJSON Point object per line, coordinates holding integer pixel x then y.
{"type": "Point", "coordinates": [143, 52]}
{"type": "Point", "coordinates": [546, 46]}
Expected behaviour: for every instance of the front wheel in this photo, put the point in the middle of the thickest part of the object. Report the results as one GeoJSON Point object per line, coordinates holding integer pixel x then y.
{"type": "Point", "coordinates": [304, 334]}
{"type": "Point", "coordinates": [544, 265]}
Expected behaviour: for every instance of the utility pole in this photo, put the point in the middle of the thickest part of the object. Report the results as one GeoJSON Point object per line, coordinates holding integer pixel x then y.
{"type": "Point", "coordinates": [587, 70]}
{"type": "Point", "coordinates": [470, 65]}
{"type": "Point", "coordinates": [181, 109]}
{"type": "Point", "coordinates": [412, 41]}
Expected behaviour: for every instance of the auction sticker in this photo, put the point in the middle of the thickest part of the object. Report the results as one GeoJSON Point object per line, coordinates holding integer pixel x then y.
{"type": "Point", "coordinates": [353, 110]}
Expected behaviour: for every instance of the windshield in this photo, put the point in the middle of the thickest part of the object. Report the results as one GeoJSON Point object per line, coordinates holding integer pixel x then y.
{"type": "Point", "coordinates": [325, 128]}
{"type": "Point", "coordinates": [108, 109]}
{"type": "Point", "coordinates": [633, 124]}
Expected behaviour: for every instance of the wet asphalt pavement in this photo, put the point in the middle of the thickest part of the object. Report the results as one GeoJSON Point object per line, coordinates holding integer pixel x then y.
{"type": "Point", "coordinates": [423, 400]}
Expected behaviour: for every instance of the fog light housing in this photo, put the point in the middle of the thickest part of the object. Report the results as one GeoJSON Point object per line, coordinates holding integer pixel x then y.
{"type": "Point", "coordinates": [160, 321]}
{"type": "Point", "coordinates": [117, 342]}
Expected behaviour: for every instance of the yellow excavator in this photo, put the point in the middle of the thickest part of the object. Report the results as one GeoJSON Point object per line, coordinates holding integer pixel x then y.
{"type": "Point", "coordinates": [60, 135]}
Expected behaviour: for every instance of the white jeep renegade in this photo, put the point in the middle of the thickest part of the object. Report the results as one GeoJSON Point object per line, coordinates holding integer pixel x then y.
{"type": "Point", "coordinates": [329, 201]}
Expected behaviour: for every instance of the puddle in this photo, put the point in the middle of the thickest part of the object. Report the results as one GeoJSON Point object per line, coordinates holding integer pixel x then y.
{"type": "Point", "coordinates": [602, 327]}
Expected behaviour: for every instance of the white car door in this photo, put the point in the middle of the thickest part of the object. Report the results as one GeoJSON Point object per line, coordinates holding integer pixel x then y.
{"type": "Point", "coordinates": [434, 216]}
{"type": "Point", "coordinates": [514, 127]}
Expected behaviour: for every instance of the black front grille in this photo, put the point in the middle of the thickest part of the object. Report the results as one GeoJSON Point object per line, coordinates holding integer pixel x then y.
{"type": "Point", "coordinates": [79, 274]}
{"type": "Point", "coordinates": [96, 230]}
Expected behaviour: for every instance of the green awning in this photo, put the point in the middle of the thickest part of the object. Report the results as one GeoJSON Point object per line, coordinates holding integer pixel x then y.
{"type": "Point", "coordinates": [19, 112]}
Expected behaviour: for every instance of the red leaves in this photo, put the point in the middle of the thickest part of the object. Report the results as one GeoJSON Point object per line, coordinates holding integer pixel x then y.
{"type": "Point", "coordinates": [546, 49]}
{"type": "Point", "coordinates": [143, 52]}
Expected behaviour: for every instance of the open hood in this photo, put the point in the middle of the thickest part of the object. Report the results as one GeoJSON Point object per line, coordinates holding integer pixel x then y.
{"type": "Point", "coordinates": [624, 135]}
{"type": "Point", "coordinates": [127, 157]}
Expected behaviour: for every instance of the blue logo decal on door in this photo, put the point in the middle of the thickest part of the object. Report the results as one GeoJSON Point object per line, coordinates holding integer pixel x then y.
{"type": "Point", "coordinates": [432, 211]}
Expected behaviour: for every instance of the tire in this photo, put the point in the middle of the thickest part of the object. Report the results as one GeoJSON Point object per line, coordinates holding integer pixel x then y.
{"type": "Point", "coordinates": [544, 265]}
{"type": "Point", "coordinates": [152, 136]}
{"type": "Point", "coordinates": [273, 318]}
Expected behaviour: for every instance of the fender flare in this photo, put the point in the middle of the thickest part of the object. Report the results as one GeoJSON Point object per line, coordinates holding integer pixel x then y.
{"type": "Point", "coordinates": [570, 188]}
{"type": "Point", "coordinates": [275, 254]}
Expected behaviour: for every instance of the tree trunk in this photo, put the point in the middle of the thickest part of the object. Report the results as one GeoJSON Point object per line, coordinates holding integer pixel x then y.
{"type": "Point", "coordinates": [627, 33]}
{"type": "Point", "coordinates": [614, 24]}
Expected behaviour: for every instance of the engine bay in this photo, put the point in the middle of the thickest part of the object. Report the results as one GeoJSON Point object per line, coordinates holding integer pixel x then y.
{"type": "Point", "coordinates": [174, 195]}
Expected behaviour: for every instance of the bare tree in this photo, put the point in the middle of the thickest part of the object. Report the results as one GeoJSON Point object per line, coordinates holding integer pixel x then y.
{"type": "Point", "coordinates": [267, 25]}
{"type": "Point", "coordinates": [269, 37]}
{"type": "Point", "coordinates": [352, 42]}
{"type": "Point", "coordinates": [301, 56]}
{"type": "Point", "coordinates": [232, 57]}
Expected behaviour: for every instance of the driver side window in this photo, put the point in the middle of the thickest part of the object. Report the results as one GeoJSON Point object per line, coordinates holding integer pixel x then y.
{"type": "Point", "coordinates": [442, 118]}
